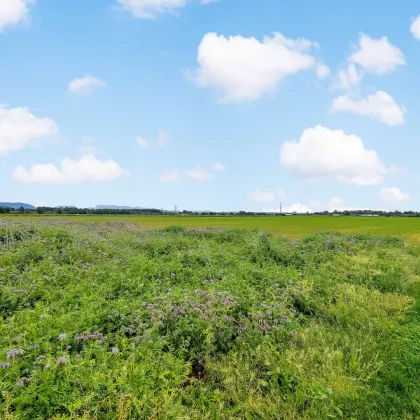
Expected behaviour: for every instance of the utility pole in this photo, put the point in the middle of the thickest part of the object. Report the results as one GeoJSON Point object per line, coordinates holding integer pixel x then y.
{"type": "Point", "coordinates": [280, 207]}
{"type": "Point", "coordinates": [176, 209]}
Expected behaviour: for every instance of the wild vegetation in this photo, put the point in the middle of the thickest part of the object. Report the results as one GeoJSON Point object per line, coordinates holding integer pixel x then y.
{"type": "Point", "coordinates": [111, 321]}
{"type": "Point", "coordinates": [293, 227]}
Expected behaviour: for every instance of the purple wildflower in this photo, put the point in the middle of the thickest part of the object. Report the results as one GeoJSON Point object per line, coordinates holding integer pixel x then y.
{"type": "Point", "coordinates": [62, 361]}
{"type": "Point", "coordinates": [22, 381]}
{"type": "Point", "coordinates": [15, 353]}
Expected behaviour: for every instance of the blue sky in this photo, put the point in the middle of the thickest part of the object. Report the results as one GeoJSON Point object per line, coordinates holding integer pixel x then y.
{"type": "Point", "coordinates": [222, 105]}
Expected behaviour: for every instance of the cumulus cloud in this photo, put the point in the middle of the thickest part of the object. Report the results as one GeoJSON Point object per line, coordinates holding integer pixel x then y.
{"type": "Point", "coordinates": [332, 204]}
{"type": "Point", "coordinates": [218, 167]}
{"type": "Point", "coordinates": [13, 12]}
{"type": "Point", "coordinates": [144, 144]}
{"type": "Point", "coordinates": [377, 56]}
{"type": "Point", "coordinates": [322, 153]}
{"type": "Point", "coordinates": [293, 208]}
{"type": "Point", "coordinates": [173, 176]}
{"type": "Point", "coordinates": [415, 28]}
{"type": "Point", "coordinates": [380, 106]}
{"type": "Point", "coordinates": [85, 85]}
{"type": "Point", "coordinates": [18, 127]}
{"type": "Point", "coordinates": [266, 196]}
{"type": "Point", "coordinates": [87, 169]}
{"type": "Point", "coordinates": [150, 9]}
{"type": "Point", "coordinates": [393, 195]}
{"type": "Point", "coordinates": [297, 208]}
{"type": "Point", "coordinates": [243, 69]}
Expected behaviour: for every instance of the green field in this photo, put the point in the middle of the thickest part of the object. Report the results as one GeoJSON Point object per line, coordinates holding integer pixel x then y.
{"type": "Point", "coordinates": [105, 321]}
{"type": "Point", "coordinates": [290, 226]}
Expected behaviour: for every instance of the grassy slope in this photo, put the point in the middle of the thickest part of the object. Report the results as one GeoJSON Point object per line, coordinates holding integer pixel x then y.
{"type": "Point", "coordinates": [293, 227]}
{"type": "Point", "coordinates": [206, 324]}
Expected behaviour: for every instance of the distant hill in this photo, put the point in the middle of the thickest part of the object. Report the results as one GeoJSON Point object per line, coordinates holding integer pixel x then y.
{"type": "Point", "coordinates": [113, 207]}
{"type": "Point", "coordinates": [17, 205]}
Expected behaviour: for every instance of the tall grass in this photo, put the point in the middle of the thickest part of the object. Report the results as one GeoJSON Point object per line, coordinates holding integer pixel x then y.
{"type": "Point", "coordinates": [116, 322]}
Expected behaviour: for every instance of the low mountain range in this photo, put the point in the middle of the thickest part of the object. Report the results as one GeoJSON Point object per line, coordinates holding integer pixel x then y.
{"type": "Point", "coordinates": [17, 205]}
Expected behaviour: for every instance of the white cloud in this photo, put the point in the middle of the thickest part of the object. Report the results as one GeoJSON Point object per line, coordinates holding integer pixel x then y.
{"type": "Point", "coordinates": [218, 167]}
{"type": "Point", "coordinates": [321, 153]}
{"type": "Point", "coordinates": [322, 70]}
{"type": "Point", "coordinates": [380, 106]}
{"type": "Point", "coordinates": [415, 28]}
{"type": "Point", "coordinates": [377, 56]}
{"type": "Point", "coordinates": [173, 176]}
{"type": "Point", "coordinates": [149, 9]}
{"type": "Point", "coordinates": [266, 196]}
{"type": "Point", "coordinates": [18, 127]}
{"type": "Point", "coordinates": [13, 12]}
{"type": "Point", "coordinates": [85, 85]}
{"type": "Point", "coordinates": [293, 208]}
{"type": "Point", "coordinates": [332, 204]}
{"type": "Point", "coordinates": [199, 174]}
{"type": "Point", "coordinates": [393, 195]}
{"type": "Point", "coordinates": [298, 208]}
{"type": "Point", "coordinates": [143, 143]}
{"type": "Point", "coordinates": [244, 68]}
{"type": "Point", "coordinates": [87, 169]}
{"type": "Point", "coordinates": [208, 1]}
{"type": "Point", "coordinates": [348, 78]}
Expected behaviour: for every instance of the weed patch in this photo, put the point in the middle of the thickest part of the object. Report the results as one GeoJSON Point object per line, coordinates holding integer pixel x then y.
{"type": "Point", "coordinates": [112, 321]}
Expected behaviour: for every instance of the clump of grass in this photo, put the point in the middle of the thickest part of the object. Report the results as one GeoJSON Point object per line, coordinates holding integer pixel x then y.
{"type": "Point", "coordinates": [113, 321]}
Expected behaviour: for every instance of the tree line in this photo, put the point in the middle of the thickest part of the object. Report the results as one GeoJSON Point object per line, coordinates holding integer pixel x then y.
{"type": "Point", "coordinates": [90, 211]}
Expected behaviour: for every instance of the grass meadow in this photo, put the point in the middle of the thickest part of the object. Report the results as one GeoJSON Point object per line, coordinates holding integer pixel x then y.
{"type": "Point", "coordinates": [113, 321]}
{"type": "Point", "coordinates": [291, 226]}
